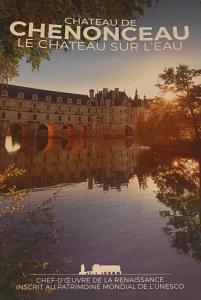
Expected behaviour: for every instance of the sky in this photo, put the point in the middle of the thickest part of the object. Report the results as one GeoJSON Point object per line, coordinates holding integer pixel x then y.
{"type": "Point", "coordinates": [78, 72]}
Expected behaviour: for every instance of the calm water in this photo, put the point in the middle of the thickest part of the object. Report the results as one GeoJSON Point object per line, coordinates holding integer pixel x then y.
{"type": "Point", "coordinates": [100, 201]}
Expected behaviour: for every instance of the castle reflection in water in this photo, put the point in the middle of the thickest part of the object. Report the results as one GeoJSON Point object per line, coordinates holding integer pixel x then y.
{"type": "Point", "coordinates": [109, 163]}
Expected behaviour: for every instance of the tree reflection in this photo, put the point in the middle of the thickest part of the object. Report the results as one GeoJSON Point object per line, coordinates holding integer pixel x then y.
{"type": "Point", "coordinates": [28, 237]}
{"type": "Point", "coordinates": [179, 188]}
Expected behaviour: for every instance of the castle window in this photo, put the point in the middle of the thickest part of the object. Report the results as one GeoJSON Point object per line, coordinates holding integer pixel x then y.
{"type": "Point", "coordinates": [59, 99]}
{"type": "Point", "coordinates": [79, 101]}
{"type": "Point", "coordinates": [69, 101]}
{"type": "Point", "coordinates": [80, 119]}
{"type": "Point", "coordinates": [19, 116]}
{"type": "Point", "coordinates": [60, 119]}
{"type": "Point", "coordinates": [69, 118]}
{"type": "Point", "coordinates": [20, 95]}
{"type": "Point", "coordinates": [88, 102]}
{"type": "Point", "coordinates": [89, 110]}
{"type": "Point", "coordinates": [3, 115]}
{"type": "Point", "coordinates": [34, 97]}
{"type": "Point", "coordinates": [89, 119]}
{"type": "Point", "coordinates": [48, 98]}
{"type": "Point", "coordinates": [4, 93]}
{"type": "Point", "coordinates": [34, 117]}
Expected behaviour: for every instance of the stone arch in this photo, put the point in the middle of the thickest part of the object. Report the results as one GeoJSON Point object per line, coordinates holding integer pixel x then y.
{"type": "Point", "coordinates": [64, 132]}
{"type": "Point", "coordinates": [15, 133]}
{"type": "Point", "coordinates": [41, 142]}
{"type": "Point", "coordinates": [128, 131]}
{"type": "Point", "coordinates": [70, 130]}
{"type": "Point", "coordinates": [83, 131]}
{"type": "Point", "coordinates": [20, 129]}
{"type": "Point", "coordinates": [51, 145]}
{"type": "Point", "coordinates": [47, 130]}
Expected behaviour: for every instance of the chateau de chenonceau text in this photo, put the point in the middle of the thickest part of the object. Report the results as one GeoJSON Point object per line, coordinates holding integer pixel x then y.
{"type": "Point", "coordinates": [99, 35]}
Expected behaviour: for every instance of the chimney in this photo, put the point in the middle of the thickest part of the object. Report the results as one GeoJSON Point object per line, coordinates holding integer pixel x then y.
{"type": "Point", "coordinates": [116, 91]}
{"type": "Point", "coordinates": [91, 94]}
{"type": "Point", "coordinates": [105, 91]}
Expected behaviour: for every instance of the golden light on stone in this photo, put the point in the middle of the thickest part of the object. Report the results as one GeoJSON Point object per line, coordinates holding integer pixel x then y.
{"type": "Point", "coordinates": [169, 96]}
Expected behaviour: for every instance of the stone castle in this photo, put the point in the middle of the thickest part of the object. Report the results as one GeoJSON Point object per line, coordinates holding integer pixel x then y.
{"type": "Point", "coordinates": [60, 114]}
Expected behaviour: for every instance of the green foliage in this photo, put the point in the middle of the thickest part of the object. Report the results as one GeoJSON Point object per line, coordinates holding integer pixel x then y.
{"type": "Point", "coordinates": [162, 126]}
{"type": "Point", "coordinates": [179, 190]}
{"type": "Point", "coordinates": [179, 79]}
{"type": "Point", "coordinates": [27, 230]}
{"type": "Point", "coordinates": [52, 11]}
{"type": "Point", "coordinates": [182, 80]}
{"type": "Point", "coordinates": [178, 182]}
{"type": "Point", "coordinates": [180, 118]}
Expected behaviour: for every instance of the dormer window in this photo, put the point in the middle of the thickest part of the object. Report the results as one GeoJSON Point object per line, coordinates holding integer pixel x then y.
{"type": "Point", "coordinates": [88, 102]}
{"type": "Point", "coordinates": [48, 98]}
{"type": "Point", "coordinates": [69, 101]}
{"type": "Point", "coordinates": [34, 97]}
{"type": "Point", "coordinates": [79, 101]}
{"type": "Point", "coordinates": [4, 93]}
{"type": "Point", "coordinates": [59, 99]}
{"type": "Point", "coordinates": [20, 95]}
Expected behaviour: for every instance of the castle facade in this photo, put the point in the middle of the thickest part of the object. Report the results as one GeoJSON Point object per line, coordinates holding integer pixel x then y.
{"type": "Point", "coordinates": [35, 111]}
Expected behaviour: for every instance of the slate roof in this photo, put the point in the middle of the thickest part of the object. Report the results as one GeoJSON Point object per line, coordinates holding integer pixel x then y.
{"type": "Point", "coordinates": [13, 91]}
{"type": "Point", "coordinates": [117, 97]}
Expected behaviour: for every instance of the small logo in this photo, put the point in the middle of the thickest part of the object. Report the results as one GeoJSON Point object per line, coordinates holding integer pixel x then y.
{"type": "Point", "coordinates": [101, 270]}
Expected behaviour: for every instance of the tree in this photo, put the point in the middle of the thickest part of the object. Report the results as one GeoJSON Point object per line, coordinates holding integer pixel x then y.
{"type": "Point", "coordinates": [53, 11]}
{"type": "Point", "coordinates": [182, 81]}
{"type": "Point", "coordinates": [162, 126]}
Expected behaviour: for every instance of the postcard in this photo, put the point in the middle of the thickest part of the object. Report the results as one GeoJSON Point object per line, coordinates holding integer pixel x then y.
{"type": "Point", "coordinates": [100, 150]}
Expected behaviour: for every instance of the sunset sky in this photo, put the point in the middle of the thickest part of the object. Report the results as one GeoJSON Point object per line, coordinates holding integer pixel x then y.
{"type": "Point", "coordinates": [80, 71]}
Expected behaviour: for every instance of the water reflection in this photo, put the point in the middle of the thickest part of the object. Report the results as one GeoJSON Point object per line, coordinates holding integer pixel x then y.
{"type": "Point", "coordinates": [11, 145]}
{"type": "Point", "coordinates": [178, 182]}
{"type": "Point", "coordinates": [49, 162]}
{"type": "Point", "coordinates": [29, 235]}
{"type": "Point", "coordinates": [119, 177]}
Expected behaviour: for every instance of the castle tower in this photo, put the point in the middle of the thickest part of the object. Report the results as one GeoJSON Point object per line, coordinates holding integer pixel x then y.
{"type": "Point", "coordinates": [136, 95]}
{"type": "Point", "coordinates": [92, 94]}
